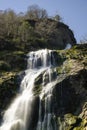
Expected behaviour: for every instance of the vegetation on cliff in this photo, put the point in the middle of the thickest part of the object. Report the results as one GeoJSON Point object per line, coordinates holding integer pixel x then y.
{"type": "Point", "coordinates": [74, 67]}
{"type": "Point", "coordinates": [20, 33]}
{"type": "Point", "coordinates": [71, 68]}
{"type": "Point", "coordinates": [33, 30]}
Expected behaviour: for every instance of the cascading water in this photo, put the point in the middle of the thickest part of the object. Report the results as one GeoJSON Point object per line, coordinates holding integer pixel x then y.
{"type": "Point", "coordinates": [18, 115]}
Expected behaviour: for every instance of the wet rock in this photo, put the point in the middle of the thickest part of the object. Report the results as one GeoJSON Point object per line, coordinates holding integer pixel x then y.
{"type": "Point", "coordinates": [33, 114]}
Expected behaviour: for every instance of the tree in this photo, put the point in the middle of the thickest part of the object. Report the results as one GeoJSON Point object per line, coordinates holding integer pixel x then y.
{"type": "Point", "coordinates": [34, 12]}
{"type": "Point", "coordinates": [2, 24]}
{"type": "Point", "coordinates": [57, 18]}
{"type": "Point", "coordinates": [84, 40]}
{"type": "Point", "coordinates": [25, 31]}
{"type": "Point", "coordinates": [8, 23]}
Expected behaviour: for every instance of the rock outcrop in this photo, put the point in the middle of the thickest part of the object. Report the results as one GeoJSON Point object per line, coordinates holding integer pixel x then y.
{"type": "Point", "coordinates": [38, 34]}
{"type": "Point", "coordinates": [69, 93]}
{"type": "Point", "coordinates": [56, 34]}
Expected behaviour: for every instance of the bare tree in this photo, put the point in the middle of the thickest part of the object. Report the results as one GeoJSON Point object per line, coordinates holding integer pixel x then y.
{"type": "Point", "coordinates": [83, 40]}
{"type": "Point", "coordinates": [57, 18]}
{"type": "Point", "coordinates": [2, 23]}
{"type": "Point", "coordinates": [34, 12]}
{"type": "Point", "coordinates": [10, 21]}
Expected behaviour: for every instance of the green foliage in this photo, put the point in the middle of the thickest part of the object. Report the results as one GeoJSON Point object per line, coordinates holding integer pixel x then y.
{"type": "Point", "coordinates": [12, 60]}
{"type": "Point", "coordinates": [8, 89]}
{"type": "Point", "coordinates": [25, 31]}
{"type": "Point", "coordinates": [16, 40]}
{"type": "Point", "coordinates": [11, 63]}
{"type": "Point", "coordinates": [32, 30]}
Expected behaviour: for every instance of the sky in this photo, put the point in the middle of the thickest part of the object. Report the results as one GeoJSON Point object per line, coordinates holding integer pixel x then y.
{"type": "Point", "coordinates": [73, 12]}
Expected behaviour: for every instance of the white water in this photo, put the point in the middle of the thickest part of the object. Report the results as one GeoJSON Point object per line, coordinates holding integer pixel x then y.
{"type": "Point", "coordinates": [16, 116]}
{"type": "Point", "coordinates": [68, 46]}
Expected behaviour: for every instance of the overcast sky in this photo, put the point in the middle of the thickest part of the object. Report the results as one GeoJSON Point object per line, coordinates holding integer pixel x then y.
{"type": "Point", "coordinates": [73, 12]}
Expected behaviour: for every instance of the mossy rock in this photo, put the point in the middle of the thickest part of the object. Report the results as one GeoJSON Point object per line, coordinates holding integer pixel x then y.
{"type": "Point", "coordinates": [82, 126]}
{"type": "Point", "coordinates": [12, 60]}
{"type": "Point", "coordinates": [78, 52]}
{"type": "Point", "coordinates": [74, 122]}
{"type": "Point", "coordinates": [6, 76]}
{"type": "Point", "coordinates": [38, 80]}
{"type": "Point", "coordinates": [72, 60]}
{"type": "Point", "coordinates": [37, 89]}
{"type": "Point", "coordinates": [84, 123]}
{"type": "Point", "coordinates": [8, 89]}
{"type": "Point", "coordinates": [70, 119]}
{"type": "Point", "coordinates": [69, 128]}
{"type": "Point", "coordinates": [59, 57]}
{"type": "Point", "coordinates": [79, 128]}
{"type": "Point", "coordinates": [4, 66]}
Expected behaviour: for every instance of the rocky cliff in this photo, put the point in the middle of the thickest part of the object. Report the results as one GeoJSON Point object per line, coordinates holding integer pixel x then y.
{"type": "Point", "coordinates": [37, 34]}
{"type": "Point", "coordinates": [69, 100]}
{"type": "Point", "coordinates": [58, 32]}
{"type": "Point", "coordinates": [51, 34]}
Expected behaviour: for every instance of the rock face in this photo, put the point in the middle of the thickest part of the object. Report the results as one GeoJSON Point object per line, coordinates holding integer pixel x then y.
{"type": "Point", "coordinates": [56, 34]}
{"type": "Point", "coordinates": [38, 34]}
{"type": "Point", "coordinates": [65, 104]}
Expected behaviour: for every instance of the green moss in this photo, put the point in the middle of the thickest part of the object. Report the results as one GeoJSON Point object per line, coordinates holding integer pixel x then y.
{"type": "Point", "coordinates": [59, 57]}
{"type": "Point", "coordinates": [76, 53]}
{"type": "Point", "coordinates": [78, 128]}
{"type": "Point", "coordinates": [69, 128]}
{"type": "Point", "coordinates": [38, 84]}
{"type": "Point", "coordinates": [37, 89]}
{"type": "Point", "coordinates": [8, 88]}
{"type": "Point", "coordinates": [59, 70]}
{"type": "Point", "coordinates": [72, 60]}
{"type": "Point", "coordinates": [84, 123]}
{"type": "Point", "coordinates": [15, 60]}
{"type": "Point", "coordinates": [38, 80]}
{"type": "Point", "coordinates": [73, 54]}
{"type": "Point", "coordinates": [66, 67]}
{"type": "Point", "coordinates": [70, 119]}
{"type": "Point", "coordinates": [11, 63]}
{"type": "Point", "coordinates": [5, 76]}
{"type": "Point", "coordinates": [74, 122]}
{"type": "Point", "coordinates": [4, 66]}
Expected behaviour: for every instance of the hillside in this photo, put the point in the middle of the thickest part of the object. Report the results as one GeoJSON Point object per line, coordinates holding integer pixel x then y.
{"type": "Point", "coordinates": [71, 67]}
{"type": "Point", "coordinates": [33, 34]}
{"type": "Point", "coordinates": [45, 84]}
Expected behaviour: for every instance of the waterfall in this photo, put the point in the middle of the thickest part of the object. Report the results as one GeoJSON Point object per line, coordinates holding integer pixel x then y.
{"type": "Point", "coordinates": [18, 115]}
